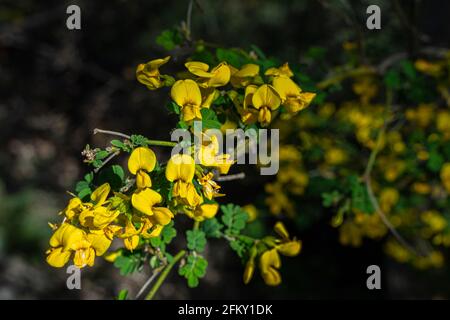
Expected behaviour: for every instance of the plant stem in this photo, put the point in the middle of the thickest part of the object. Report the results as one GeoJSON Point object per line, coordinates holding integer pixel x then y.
{"type": "Point", "coordinates": [368, 181]}
{"type": "Point", "coordinates": [161, 143]}
{"type": "Point", "coordinates": [149, 142]}
{"type": "Point", "coordinates": [114, 133]}
{"type": "Point", "coordinates": [196, 225]}
{"type": "Point", "coordinates": [164, 275]}
{"type": "Point", "coordinates": [111, 156]}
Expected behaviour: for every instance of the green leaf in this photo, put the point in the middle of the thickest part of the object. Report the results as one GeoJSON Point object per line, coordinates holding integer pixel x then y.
{"type": "Point", "coordinates": [193, 269]}
{"type": "Point", "coordinates": [102, 154]}
{"type": "Point", "coordinates": [114, 175]}
{"type": "Point", "coordinates": [182, 125]}
{"type": "Point", "coordinates": [392, 79]}
{"type": "Point", "coordinates": [173, 107]}
{"type": "Point", "coordinates": [408, 69]}
{"type": "Point", "coordinates": [241, 247]}
{"type": "Point", "coordinates": [169, 39]}
{"type": "Point", "coordinates": [84, 194]}
{"type": "Point", "coordinates": [212, 228]}
{"type": "Point", "coordinates": [232, 56]}
{"type": "Point", "coordinates": [196, 240]}
{"type": "Point", "coordinates": [330, 198]}
{"type": "Point", "coordinates": [168, 233]}
{"type": "Point", "coordinates": [360, 197]}
{"type": "Point", "coordinates": [119, 144]}
{"type": "Point", "coordinates": [128, 263]}
{"type": "Point", "coordinates": [122, 294]}
{"type": "Point", "coordinates": [138, 140]}
{"type": "Point", "coordinates": [89, 177]}
{"type": "Point", "coordinates": [435, 161]}
{"type": "Point", "coordinates": [209, 119]}
{"type": "Point", "coordinates": [81, 185]}
{"type": "Point", "coordinates": [234, 218]}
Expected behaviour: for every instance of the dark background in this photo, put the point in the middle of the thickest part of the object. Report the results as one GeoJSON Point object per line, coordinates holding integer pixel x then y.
{"type": "Point", "coordinates": [57, 85]}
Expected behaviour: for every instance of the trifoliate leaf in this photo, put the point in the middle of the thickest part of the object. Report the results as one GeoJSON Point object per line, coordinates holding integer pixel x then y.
{"type": "Point", "coordinates": [193, 269]}
{"type": "Point", "coordinates": [212, 228]}
{"type": "Point", "coordinates": [234, 218]}
{"type": "Point", "coordinates": [196, 240]}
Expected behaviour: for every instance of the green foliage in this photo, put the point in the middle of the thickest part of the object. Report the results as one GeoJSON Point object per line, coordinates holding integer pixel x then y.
{"type": "Point", "coordinates": [330, 198]}
{"type": "Point", "coordinates": [123, 294]}
{"type": "Point", "coordinates": [241, 246]}
{"type": "Point", "coordinates": [360, 197]}
{"type": "Point", "coordinates": [212, 228]}
{"type": "Point", "coordinates": [234, 218]}
{"type": "Point", "coordinates": [193, 269]}
{"type": "Point", "coordinates": [129, 262]}
{"type": "Point", "coordinates": [169, 39]}
{"type": "Point", "coordinates": [173, 107]}
{"type": "Point", "coordinates": [209, 119]}
{"type": "Point", "coordinates": [196, 240]}
{"type": "Point", "coordinates": [114, 175]}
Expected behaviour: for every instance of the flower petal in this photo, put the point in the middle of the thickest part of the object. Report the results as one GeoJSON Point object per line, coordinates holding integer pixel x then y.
{"type": "Point", "coordinates": [141, 158]}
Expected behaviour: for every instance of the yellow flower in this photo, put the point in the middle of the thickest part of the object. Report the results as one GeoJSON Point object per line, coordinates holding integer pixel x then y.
{"type": "Point", "coordinates": [250, 266]}
{"type": "Point", "coordinates": [265, 99]}
{"type": "Point", "coordinates": [187, 95]}
{"type": "Point", "coordinates": [434, 220]}
{"type": "Point", "coordinates": [292, 97]}
{"type": "Point", "coordinates": [98, 216]}
{"type": "Point", "coordinates": [217, 77]}
{"type": "Point", "coordinates": [249, 271]}
{"type": "Point", "coordinates": [181, 169]}
{"type": "Point", "coordinates": [269, 263]}
{"type": "Point", "coordinates": [350, 234]}
{"type": "Point", "coordinates": [244, 76]}
{"type": "Point", "coordinates": [210, 188]}
{"type": "Point", "coordinates": [203, 211]}
{"type": "Point", "coordinates": [142, 160]}
{"type": "Point", "coordinates": [285, 245]}
{"type": "Point", "coordinates": [208, 155]}
{"type": "Point", "coordinates": [144, 200]}
{"type": "Point", "coordinates": [74, 208]}
{"type": "Point", "coordinates": [430, 68]}
{"type": "Point", "coordinates": [148, 73]}
{"type": "Point", "coordinates": [252, 212]}
{"type": "Point", "coordinates": [445, 176]}
{"type": "Point", "coordinates": [388, 199]}
{"type": "Point", "coordinates": [421, 188]}
{"type": "Point", "coordinates": [283, 71]}
{"type": "Point", "coordinates": [66, 240]}
{"type": "Point", "coordinates": [335, 156]}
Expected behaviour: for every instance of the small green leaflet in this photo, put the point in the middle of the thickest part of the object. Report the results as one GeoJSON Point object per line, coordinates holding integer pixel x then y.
{"type": "Point", "coordinates": [196, 240]}
{"type": "Point", "coordinates": [212, 228]}
{"type": "Point", "coordinates": [193, 269]}
{"type": "Point", "coordinates": [209, 119]}
{"type": "Point", "coordinates": [234, 218]}
{"type": "Point", "coordinates": [129, 263]}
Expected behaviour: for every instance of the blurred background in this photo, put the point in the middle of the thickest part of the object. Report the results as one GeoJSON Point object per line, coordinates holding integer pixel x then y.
{"type": "Point", "coordinates": [57, 85]}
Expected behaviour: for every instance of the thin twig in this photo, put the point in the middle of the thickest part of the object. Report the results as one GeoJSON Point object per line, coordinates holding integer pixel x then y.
{"type": "Point", "coordinates": [231, 177]}
{"type": "Point", "coordinates": [189, 20]}
{"type": "Point", "coordinates": [385, 220]}
{"type": "Point", "coordinates": [114, 133]}
{"type": "Point", "coordinates": [154, 275]}
{"type": "Point", "coordinates": [111, 156]}
{"type": "Point", "coordinates": [368, 182]}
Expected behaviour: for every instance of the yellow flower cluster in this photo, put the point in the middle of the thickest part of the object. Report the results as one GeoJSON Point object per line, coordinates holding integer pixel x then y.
{"type": "Point", "coordinates": [268, 250]}
{"type": "Point", "coordinates": [89, 227]}
{"type": "Point", "coordinates": [260, 101]}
